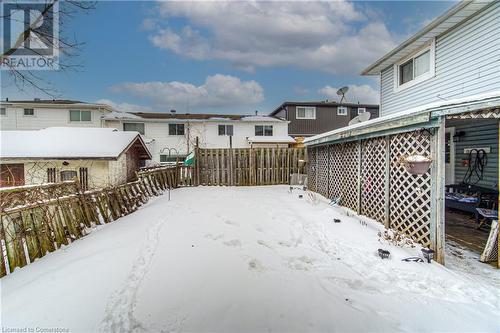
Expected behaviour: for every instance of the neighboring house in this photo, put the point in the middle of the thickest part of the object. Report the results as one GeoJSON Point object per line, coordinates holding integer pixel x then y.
{"type": "Point", "coordinates": [311, 118]}
{"type": "Point", "coordinates": [38, 114]}
{"type": "Point", "coordinates": [97, 157]}
{"type": "Point", "coordinates": [457, 56]}
{"type": "Point", "coordinates": [171, 136]}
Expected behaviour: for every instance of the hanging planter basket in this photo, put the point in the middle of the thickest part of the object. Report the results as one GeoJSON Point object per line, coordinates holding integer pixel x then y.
{"type": "Point", "coordinates": [416, 164]}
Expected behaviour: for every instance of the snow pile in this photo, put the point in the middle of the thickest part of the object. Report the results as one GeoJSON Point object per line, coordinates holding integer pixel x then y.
{"type": "Point", "coordinates": [417, 159]}
{"type": "Point", "coordinates": [253, 259]}
{"type": "Point", "coordinates": [273, 139]}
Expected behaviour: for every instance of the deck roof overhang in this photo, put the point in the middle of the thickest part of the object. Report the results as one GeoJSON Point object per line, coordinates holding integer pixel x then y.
{"type": "Point", "coordinates": [449, 20]}
{"type": "Point", "coordinates": [425, 117]}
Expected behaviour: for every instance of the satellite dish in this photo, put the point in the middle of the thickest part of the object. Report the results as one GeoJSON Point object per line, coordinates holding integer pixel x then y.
{"type": "Point", "coordinates": [362, 117]}
{"type": "Point", "coordinates": [341, 92]}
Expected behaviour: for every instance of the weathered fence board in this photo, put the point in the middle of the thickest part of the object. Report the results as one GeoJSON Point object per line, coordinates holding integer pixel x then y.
{"type": "Point", "coordinates": [247, 166]}
{"type": "Point", "coordinates": [36, 220]}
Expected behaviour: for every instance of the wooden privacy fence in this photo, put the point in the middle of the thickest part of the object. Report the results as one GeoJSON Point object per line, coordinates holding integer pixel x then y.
{"type": "Point", "coordinates": [248, 166]}
{"type": "Point", "coordinates": [36, 220]}
{"type": "Point", "coordinates": [367, 177]}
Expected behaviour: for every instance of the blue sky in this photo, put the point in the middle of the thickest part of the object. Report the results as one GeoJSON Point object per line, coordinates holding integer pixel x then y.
{"type": "Point", "coordinates": [230, 57]}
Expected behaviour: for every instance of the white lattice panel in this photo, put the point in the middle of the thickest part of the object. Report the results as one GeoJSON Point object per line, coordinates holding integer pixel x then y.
{"type": "Point", "coordinates": [410, 195]}
{"type": "Point", "coordinates": [373, 169]}
{"type": "Point", "coordinates": [311, 169]}
{"type": "Point", "coordinates": [322, 170]}
{"type": "Point", "coordinates": [343, 172]}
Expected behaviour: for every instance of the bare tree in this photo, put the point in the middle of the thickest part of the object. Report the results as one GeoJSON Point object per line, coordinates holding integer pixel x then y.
{"type": "Point", "coordinates": [67, 46]}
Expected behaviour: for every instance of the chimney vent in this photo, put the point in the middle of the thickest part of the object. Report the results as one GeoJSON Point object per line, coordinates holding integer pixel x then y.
{"type": "Point", "coordinates": [6, 99]}
{"type": "Point", "coordinates": [256, 112]}
{"type": "Point", "coordinates": [172, 111]}
{"type": "Point", "coordinates": [37, 99]}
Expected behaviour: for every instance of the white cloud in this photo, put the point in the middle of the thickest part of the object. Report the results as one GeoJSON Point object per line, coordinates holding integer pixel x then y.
{"type": "Point", "coordinates": [330, 36]}
{"type": "Point", "coordinates": [125, 107]}
{"type": "Point", "coordinates": [217, 91]}
{"type": "Point", "coordinates": [357, 93]}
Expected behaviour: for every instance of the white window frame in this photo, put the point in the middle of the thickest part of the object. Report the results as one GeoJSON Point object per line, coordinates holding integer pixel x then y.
{"type": "Point", "coordinates": [29, 115]}
{"type": "Point", "coordinates": [313, 108]}
{"type": "Point", "coordinates": [416, 80]}
{"type": "Point", "coordinates": [225, 129]}
{"type": "Point", "coordinates": [80, 113]}
{"type": "Point", "coordinates": [361, 110]}
{"type": "Point", "coordinates": [342, 111]}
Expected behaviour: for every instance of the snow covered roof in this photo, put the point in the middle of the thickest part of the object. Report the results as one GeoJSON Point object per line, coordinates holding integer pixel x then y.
{"type": "Point", "coordinates": [201, 117]}
{"type": "Point", "coordinates": [271, 139]}
{"type": "Point", "coordinates": [68, 143]}
{"type": "Point", "coordinates": [262, 119]}
{"type": "Point", "coordinates": [119, 115]}
{"type": "Point", "coordinates": [463, 104]}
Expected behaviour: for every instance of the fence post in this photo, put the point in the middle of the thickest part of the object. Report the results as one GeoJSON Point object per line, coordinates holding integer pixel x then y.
{"type": "Point", "coordinates": [360, 184]}
{"type": "Point", "coordinates": [387, 181]}
{"type": "Point", "coordinates": [197, 163]}
{"type": "Point", "coordinates": [437, 191]}
{"type": "Point", "coordinates": [231, 170]}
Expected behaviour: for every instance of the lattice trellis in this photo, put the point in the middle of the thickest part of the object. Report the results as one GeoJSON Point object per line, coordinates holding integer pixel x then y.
{"type": "Point", "coordinates": [410, 195]}
{"type": "Point", "coordinates": [322, 171]}
{"type": "Point", "coordinates": [343, 171]}
{"type": "Point", "coordinates": [493, 113]}
{"type": "Point", "coordinates": [373, 172]}
{"type": "Point", "coordinates": [311, 170]}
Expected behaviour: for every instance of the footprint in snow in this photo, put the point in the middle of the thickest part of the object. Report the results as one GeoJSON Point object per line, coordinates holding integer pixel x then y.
{"type": "Point", "coordinates": [231, 223]}
{"type": "Point", "coordinates": [255, 265]}
{"type": "Point", "coordinates": [214, 237]}
{"type": "Point", "coordinates": [300, 263]}
{"type": "Point", "coordinates": [233, 243]}
{"type": "Point", "coordinates": [265, 244]}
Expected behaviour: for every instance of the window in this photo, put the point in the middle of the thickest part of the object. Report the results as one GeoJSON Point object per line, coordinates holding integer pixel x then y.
{"type": "Point", "coordinates": [68, 175]}
{"type": "Point", "coordinates": [415, 69]}
{"type": "Point", "coordinates": [263, 130]}
{"type": "Point", "coordinates": [137, 127]}
{"type": "Point", "coordinates": [361, 110]}
{"type": "Point", "coordinates": [306, 112]}
{"type": "Point", "coordinates": [175, 129]}
{"type": "Point", "coordinates": [29, 112]}
{"type": "Point", "coordinates": [172, 158]}
{"type": "Point", "coordinates": [225, 129]}
{"type": "Point", "coordinates": [342, 111]}
{"type": "Point", "coordinates": [3, 111]}
{"type": "Point", "coordinates": [77, 115]}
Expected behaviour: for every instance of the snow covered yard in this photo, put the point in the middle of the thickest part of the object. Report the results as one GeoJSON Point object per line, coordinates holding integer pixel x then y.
{"type": "Point", "coordinates": [243, 259]}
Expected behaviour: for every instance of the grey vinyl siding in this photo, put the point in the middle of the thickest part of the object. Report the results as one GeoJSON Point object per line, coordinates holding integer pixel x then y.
{"type": "Point", "coordinates": [467, 63]}
{"type": "Point", "coordinates": [326, 120]}
{"type": "Point", "coordinates": [478, 134]}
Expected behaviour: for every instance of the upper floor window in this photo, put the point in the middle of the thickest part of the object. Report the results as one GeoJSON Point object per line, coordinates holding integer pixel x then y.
{"type": "Point", "coordinates": [29, 112]}
{"type": "Point", "coordinates": [415, 69]}
{"type": "Point", "coordinates": [342, 111]}
{"type": "Point", "coordinates": [361, 110]}
{"type": "Point", "coordinates": [3, 111]}
{"type": "Point", "coordinates": [78, 115]}
{"type": "Point", "coordinates": [306, 112]}
{"type": "Point", "coordinates": [175, 129]}
{"type": "Point", "coordinates": [137, 127]}
{"type": "Point", "coordinates": [225, 129]}
{"type": "Point", "coordinates": [263, 130]}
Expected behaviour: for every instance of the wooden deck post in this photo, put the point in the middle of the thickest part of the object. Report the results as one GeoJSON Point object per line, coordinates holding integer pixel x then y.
{"type": "Point", "coordinates": [437, 227]}
{"type": "Point", "coordinates": [387, 182]}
